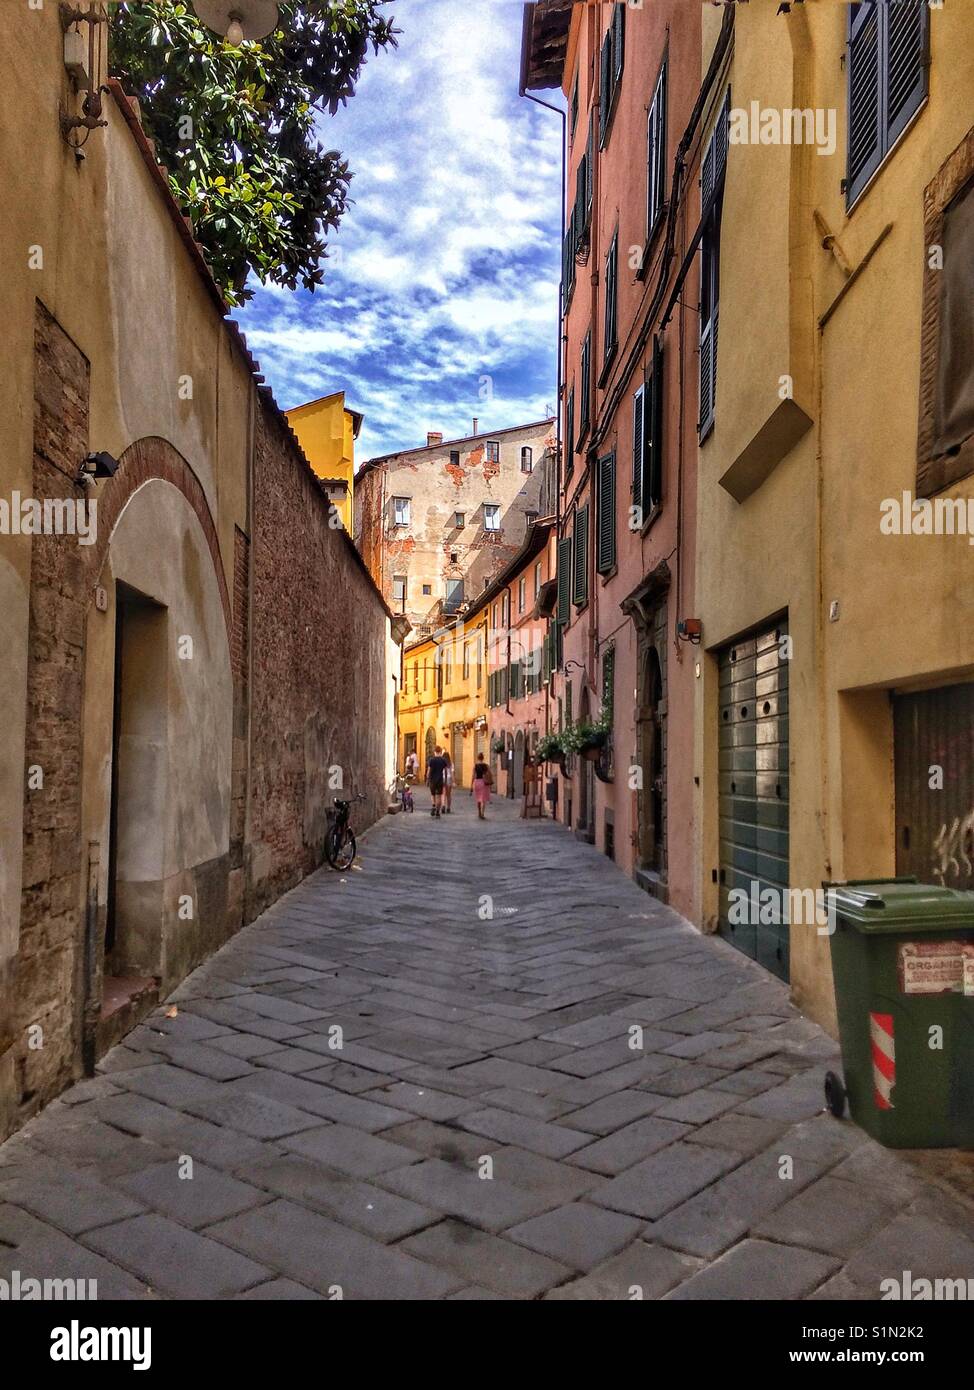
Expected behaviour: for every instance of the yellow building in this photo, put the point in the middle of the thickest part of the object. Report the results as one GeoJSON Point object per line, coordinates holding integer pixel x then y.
{"type": "Point", "coordinates": [444, 696]}
{"type": "Point", "coordinates": [327, 430]}
{"type": "Point", "coordinates": [834, 721]}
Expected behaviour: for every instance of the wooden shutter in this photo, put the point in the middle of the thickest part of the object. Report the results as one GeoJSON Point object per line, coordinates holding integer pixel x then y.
{"type": "Point", "coordinates": [865, 133]}
{"type": "Point", "coordinates": [638, 445]}
{"type": "Point", "coordinates": [605, 85]}
{"type": "Point", "coordinates": [564, 579]}
{"type": "Point", "coordinates": [580, 207]}
{"type": "Point", "coordinates": [590, 167]}
{"type": "Point", "coordinates": [618, 42]}
{"type": "Point", "coordinates": [904, 65]}
{"type": "Point", "coordinates": [580, 557]}
{"type": "Point", "coordinates": [606, 534]}
{"type": "Point", "coordinates": [653, 475]}
{"type": "Point", "coordinates": [611, 263]}
{"type": "Point", "coordinates": [586, 368]}
{"type": "Point", "coordinates": [568, 443]}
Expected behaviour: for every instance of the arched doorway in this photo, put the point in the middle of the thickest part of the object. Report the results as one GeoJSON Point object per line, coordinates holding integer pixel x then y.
{"type": "Point", "coordinates": [649, 733]}
{"type": "Point", "coordinates": [430, 745]}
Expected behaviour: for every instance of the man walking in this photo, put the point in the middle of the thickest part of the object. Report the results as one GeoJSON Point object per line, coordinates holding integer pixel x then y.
{"type": "Point", "coordinates": [435, 778]}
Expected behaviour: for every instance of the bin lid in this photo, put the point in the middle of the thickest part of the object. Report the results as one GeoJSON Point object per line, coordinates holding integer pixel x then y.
{"type": "Point", "coordinates": [901, 904]}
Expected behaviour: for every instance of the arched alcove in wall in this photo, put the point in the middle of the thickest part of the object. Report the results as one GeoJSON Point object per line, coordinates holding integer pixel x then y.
{"type": "Point", "coordinates": [158, 716]}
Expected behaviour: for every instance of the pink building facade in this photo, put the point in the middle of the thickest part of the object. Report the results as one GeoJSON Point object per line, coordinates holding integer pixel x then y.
{"type": "Point", "coordinates": [636, 131]}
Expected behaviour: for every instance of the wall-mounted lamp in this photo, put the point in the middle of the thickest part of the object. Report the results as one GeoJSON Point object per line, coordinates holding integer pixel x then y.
{"type": "Point", "coordinates": [239, 20]}
{"type": "Point", "coordinates": [95, 466]}
{"type": "Point", "coordinates": [86, 64]}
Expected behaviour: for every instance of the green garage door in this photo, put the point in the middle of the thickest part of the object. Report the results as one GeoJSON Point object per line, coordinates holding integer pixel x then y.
{"type": "Point", "coordinates": [753, 794]}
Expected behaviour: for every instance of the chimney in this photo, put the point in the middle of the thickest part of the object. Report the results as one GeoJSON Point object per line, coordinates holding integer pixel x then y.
{"type": "Point", "coordinates": [475, 423]}
{"type": "Point", "coordinates": [433, 438]}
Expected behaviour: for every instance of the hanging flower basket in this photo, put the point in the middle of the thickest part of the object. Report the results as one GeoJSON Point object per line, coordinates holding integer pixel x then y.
{"type": "Point", "coordinates": [497, 745]}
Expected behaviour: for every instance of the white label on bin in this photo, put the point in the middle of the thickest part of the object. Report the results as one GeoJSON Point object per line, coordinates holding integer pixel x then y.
{"type": "Point", "coordinates": [969, 968]}
{"type": "Point", "coordinates": [934, 967]}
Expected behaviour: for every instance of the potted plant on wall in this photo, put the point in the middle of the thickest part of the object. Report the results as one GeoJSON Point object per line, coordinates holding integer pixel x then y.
{"type": "Point", "coordinates": [551, 750]}
{"type": "Point", "coordinates": [589, 738]}
{"type": "Point", "coordinates": [498, 745]}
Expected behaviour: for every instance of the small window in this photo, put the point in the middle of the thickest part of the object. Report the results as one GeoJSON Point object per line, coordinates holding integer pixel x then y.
{"type": "Point", "coordinates": [527, 460]}
{"type": "Point", "coordinates": [529, 519]}
{"type": "Point", "coordinates": [400, 510]}
{"type": "Point", "coordinates": [492, 516]}
{"type": "Point", "coordinates": [427, 590]}
{"type": "Point", "coordinates": [466, 661]}
{"type": "Point", "coordinates": [454, 557]}
{"type": "Point", "coordinates": [399, 588]}
{"type": "Point", "coordinates": [455, 456]}
{"type": "Point", "coordinates": [454, 595]}
{"type": "Point", "coordinates": [537, 579]}
{"type": "Point", "coordinates": [522, 589]}
{"type": "Point", "coordinates": [493, 454]}
{"type": "Point", "coordinates": [459, 521]}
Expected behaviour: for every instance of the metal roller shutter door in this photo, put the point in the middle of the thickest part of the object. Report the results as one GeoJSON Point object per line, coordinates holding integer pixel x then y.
{"type": "Point", "coordinates": [753, 788]}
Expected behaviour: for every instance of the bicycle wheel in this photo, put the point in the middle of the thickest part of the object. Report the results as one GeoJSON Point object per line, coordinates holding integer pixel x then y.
{"type": "Point", "coordinates": [340, 848]}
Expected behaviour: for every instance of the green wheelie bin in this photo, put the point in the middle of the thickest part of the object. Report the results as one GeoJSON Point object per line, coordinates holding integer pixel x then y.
{"type": "Point", "coordinates": [903, 968]}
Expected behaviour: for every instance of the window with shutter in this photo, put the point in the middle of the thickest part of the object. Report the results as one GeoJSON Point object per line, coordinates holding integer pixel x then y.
{"type": "Point", "coordinates": [585, 389]}
{"type": "Point", "coordinates": [638, 412]}
{"type": "Point", "coordinates": [590, 167]}
{"type": "Point", "coordinates": [656, 155]}
{"type": "Point", "coordinates": [580, 558]}
{"type": "Point", "coordinates": [611, 299]}
{"type": "Point", "coordinates": [652, 489]}
{"type": "Point", "coordinates": [606, 526]}
{"type": "Point", "coordinates": [618, 41]}
{"type": "Point", "coordinates": [712, 196]}
{"type": "Point", "coordinates": [564, 579]}
{"type": "Point", "coordinates": [887, 62]}
{"type": "Point", "coordinates": [568, 443]}
{"type": "Point", "coordinates": [605, 86]}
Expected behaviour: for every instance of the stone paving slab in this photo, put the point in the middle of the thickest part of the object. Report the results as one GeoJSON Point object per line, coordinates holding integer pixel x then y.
{"type": "Point", "coordinates": [486, 1129]}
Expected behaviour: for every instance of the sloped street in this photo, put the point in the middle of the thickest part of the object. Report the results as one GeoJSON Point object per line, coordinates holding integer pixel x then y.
{"type": "Point", "coordinates": [548, 1086]}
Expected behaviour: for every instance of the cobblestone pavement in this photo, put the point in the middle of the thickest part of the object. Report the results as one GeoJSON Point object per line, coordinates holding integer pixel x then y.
{"type": "Point", "coordinates": [471, 1046]}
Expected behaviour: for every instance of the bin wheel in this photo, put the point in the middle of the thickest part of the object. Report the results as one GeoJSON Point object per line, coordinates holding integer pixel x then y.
{"type": "Point", "coordinates": [834, 1095]}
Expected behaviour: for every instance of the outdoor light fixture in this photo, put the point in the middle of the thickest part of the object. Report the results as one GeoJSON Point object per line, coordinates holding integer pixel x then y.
{"type": "Point", "coordinates": [95, 466]}
{"type": "Point", "coordinates": [86, 63]}
{"type": "Point", "coordinates": [239, 20]}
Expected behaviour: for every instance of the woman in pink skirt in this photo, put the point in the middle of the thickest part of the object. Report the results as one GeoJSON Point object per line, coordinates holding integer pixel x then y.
{"type": "Point", "coordinates": [481, 785]}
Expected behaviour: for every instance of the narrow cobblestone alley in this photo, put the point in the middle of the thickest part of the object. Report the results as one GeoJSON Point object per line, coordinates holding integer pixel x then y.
{"type": "Point", "coordinates": [493, 1126]}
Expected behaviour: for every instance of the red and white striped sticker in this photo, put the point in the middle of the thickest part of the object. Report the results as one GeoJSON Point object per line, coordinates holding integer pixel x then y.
{"type": "Point", "coordinates": [884, 1059]}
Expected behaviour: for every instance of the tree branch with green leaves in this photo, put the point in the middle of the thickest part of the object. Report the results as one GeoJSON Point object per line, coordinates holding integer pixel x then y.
{"type": "Point", "coordinates": [235, 127]}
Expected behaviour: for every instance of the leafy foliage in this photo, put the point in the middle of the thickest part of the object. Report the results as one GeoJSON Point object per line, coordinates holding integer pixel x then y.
{"type": "Point", "coordinates": [235, 127]}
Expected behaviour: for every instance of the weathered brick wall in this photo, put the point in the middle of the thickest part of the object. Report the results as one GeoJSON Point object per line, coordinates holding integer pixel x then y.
{"type": "Point", "coordinates": [47, 978]}
{"type": "Point", "coordinates": [318, 670]}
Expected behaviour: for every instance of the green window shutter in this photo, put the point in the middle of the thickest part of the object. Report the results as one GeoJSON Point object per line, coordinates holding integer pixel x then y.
{"type": "Point", "coordinates": [618, 42]}
{"type": "Point", "coordinates": [605, 85]}
{"type": "Point", "coordinates": [652, 489]}
{"type": "Point", "coordinates": [584, 392]}
{"type": "Point", "coordinates": [568, 442]}
{"type": "Point", "coordinates": [606, 530]}
{"type": "Point", "coordinates": [638, 444]}
{"type": "Point", "coordinates": [611, 277]}
{"type": "Point", "coordinates": [590, 167]}
{"type": "Point", "coordinates": [581, 182]}
{"type": "Point", "coordinates": [564, 578]}
{"type": "Point", "coordinates": [580, 557]}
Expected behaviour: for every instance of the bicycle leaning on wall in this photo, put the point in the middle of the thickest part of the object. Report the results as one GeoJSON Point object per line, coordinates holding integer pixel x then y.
{"type": "Point", "coordinates": [340, 839]}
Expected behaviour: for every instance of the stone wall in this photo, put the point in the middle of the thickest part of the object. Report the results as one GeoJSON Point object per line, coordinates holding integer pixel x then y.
{"type": "Point", "coordinates": [318, 671]}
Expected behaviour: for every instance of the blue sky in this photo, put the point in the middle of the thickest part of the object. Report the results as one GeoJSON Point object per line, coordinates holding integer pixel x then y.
{"type": "Point", "coordinates": [446, 267]}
